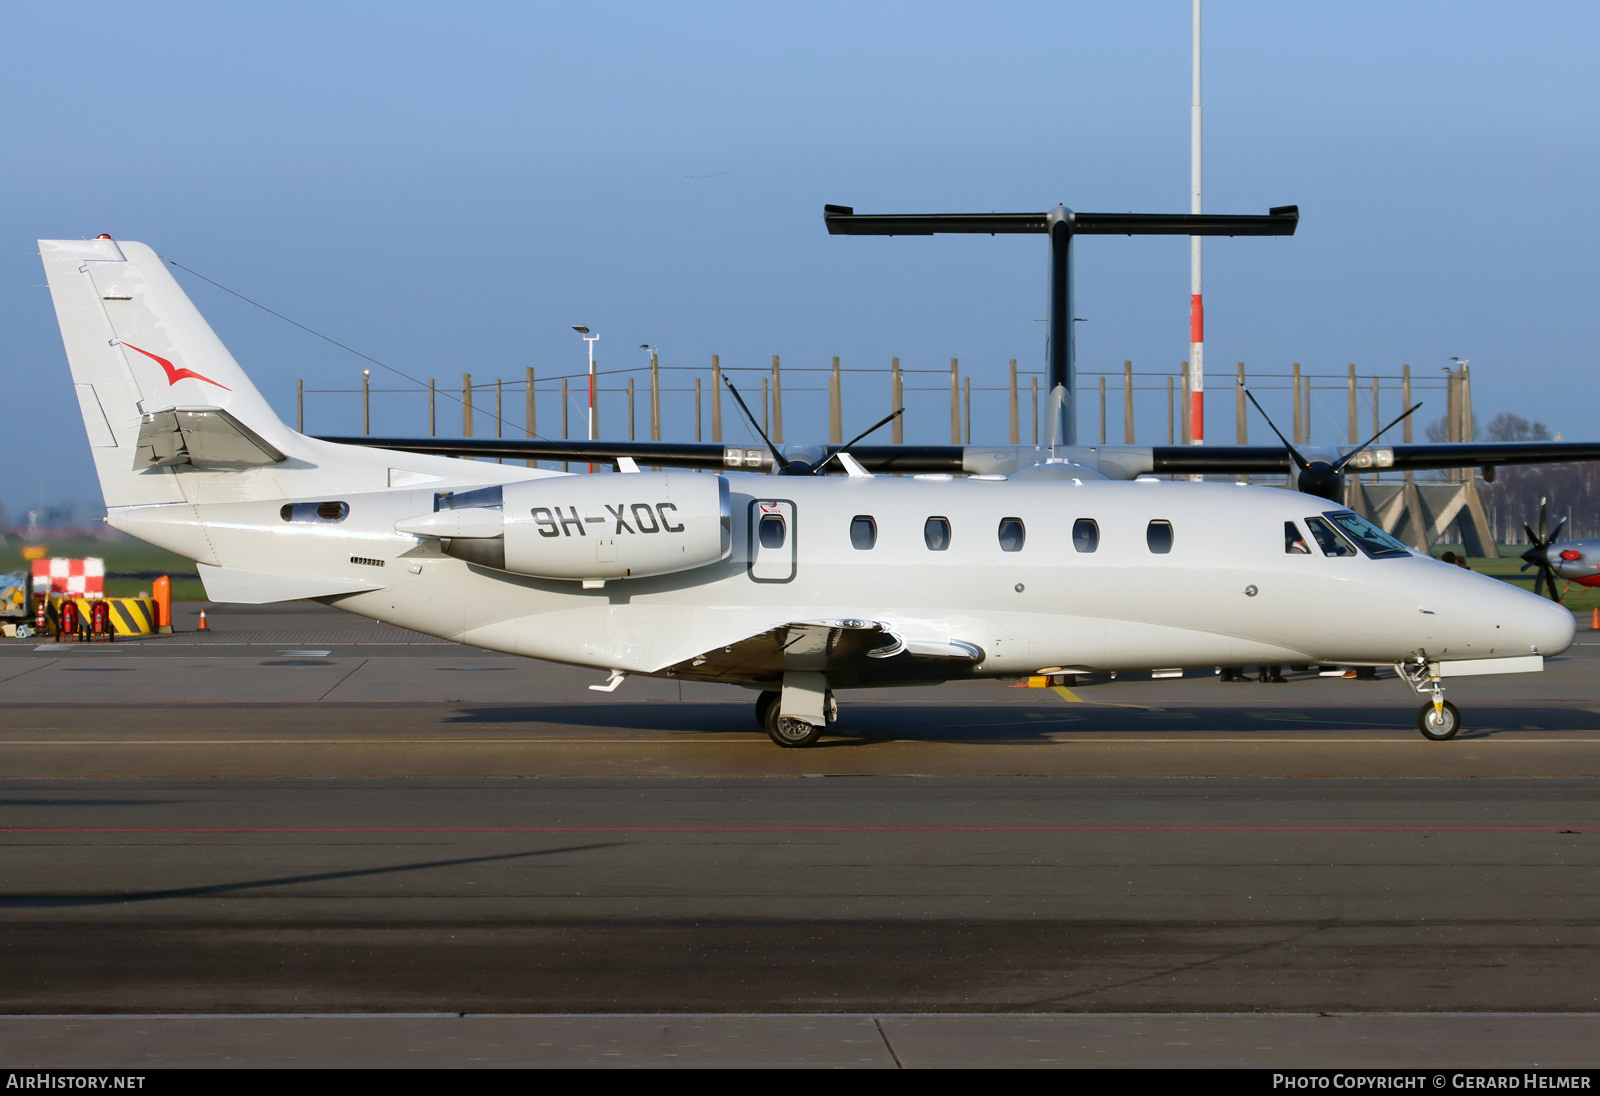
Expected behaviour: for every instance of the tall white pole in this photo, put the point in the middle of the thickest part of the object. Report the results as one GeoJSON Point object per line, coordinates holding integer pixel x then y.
{"type": "Point", "coordinates": [1197, 311]}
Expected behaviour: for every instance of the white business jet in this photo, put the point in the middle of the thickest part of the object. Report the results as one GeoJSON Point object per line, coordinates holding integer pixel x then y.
{"type": "Point", "coordinates": [795, 585]}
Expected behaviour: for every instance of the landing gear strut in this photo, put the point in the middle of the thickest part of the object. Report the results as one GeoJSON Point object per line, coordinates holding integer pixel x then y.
{"type": "Point", "coordinates": [1437, 719]}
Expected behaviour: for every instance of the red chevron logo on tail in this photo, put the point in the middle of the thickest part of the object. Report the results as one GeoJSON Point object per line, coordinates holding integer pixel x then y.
{"type": "Point", "coordinates": [174, 375]}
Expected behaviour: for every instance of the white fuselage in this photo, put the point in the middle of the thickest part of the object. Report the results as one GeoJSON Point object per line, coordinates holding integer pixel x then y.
{"type": "Point", "coordinates": [1227, 592]}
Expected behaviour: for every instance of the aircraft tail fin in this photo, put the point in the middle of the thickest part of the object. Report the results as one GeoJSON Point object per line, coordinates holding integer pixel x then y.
{"type": "Point", "coordinates": [157, 389]}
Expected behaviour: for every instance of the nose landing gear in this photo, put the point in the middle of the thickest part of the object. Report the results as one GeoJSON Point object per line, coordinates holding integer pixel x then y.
{"type": "Point", "coordinates": [1438, 719]}
{"type": "Point", "coordinates": [1438, 724]}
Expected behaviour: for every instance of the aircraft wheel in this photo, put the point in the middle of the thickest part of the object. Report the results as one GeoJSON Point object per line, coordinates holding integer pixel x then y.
{"type": "Point", "coordinates": [789, 732]}
{"type": "Point", "coordinates": [1440, 726]}
{"type": "Point", "coordinates": [764, 703]}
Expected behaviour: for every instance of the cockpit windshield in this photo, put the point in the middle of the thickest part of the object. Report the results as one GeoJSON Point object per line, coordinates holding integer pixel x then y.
{"type": "Point", "coordinates": [1328, 538]}
{"type": "Point", "coordinates": [1373, 541]}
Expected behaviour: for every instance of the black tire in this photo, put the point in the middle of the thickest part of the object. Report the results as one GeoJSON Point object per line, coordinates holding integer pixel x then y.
{"type": "Point", "coordinates": [1440, 727]}
{"type": "Point", "coordinates": [788, 732]}
{"type": "Point", "coordinates": [767, 700]}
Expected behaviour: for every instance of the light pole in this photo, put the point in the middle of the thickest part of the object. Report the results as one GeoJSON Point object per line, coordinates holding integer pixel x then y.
{"type": "Point", "coordinates": [590, 339]}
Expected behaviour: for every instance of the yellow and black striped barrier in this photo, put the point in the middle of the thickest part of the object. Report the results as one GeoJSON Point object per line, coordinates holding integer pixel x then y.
{"type": "Point", "coordinates": [129, 616]}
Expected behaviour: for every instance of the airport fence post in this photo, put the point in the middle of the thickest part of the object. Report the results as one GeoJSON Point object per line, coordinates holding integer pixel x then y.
{"type": "Point", "coordinates": [366, 403]}
{"type": "Point", "coordinates": [1011, 383]}
{"type": "Point", "coordinates": [630, 408]}
{"type": "Point", "coordinates": [1183, 407]}
{"type": "Point", "coordinates": [716, 398]}
{"type": "Point", "coordinates": [466, 405]}
{"type": "Point", "coordinates": [955, 402]}
{"type": "Point", "coordinates": [432, 430]}
{"type": "Point", "coordinates": [897, 398]}
{"type": "Point", "coordinates": [766, 404]}
{"type": "Point", "coordinates": [1034, 385]}
{"type": "Point", "coordinates": [1377, 420]}
{"type": "Point", "coordinates": [1355, 425]}
{"type": "Point", "coordinates": [300, 405]}
{"type": "Point", "coordinates": [655, 397]}
{"type": "Point", "coordinates": [1241, 421]}
{"type": "Point", "coordinates": [966, 406]}
{"type": "Point", "coordinates": [835, 405]}
{"type": "Point", "coordinates": [530, 416]}
{"type": "Point", "coordinates": [697, 407]}
{"type": "Point", "coordinates": [1307, 416]}
{"type": "Point", "coordinates": [564, 400]}
{"type": "Point", "coordinates": [1299, 433]}
{"type": "Point", "coordinates": [1127, 403]}
{"type": "Point", "coordinates": [1405, 399]}
{"type": "Point", "coordinates": [777, 402]}
{"type": "Point", "coordinates": [1102, 410]}
{"type": "Point", "coordinates": [499, 417]}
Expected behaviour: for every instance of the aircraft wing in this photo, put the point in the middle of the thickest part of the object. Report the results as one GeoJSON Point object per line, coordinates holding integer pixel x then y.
{"type": "Point", "coordinates": [1234, 459]}
{"type": "Point", "coordinates": [847, 651]}
{"type": "Point", "coordinates": [711, 455]}
{"type": "Point", "coordinates": [1112, 461]}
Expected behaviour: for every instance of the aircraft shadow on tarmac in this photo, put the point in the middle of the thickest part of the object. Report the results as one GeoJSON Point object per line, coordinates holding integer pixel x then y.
{"type": "Point", "coordinates": [866, 724]}
{"type": "Point", "coordinates": [56, 901]}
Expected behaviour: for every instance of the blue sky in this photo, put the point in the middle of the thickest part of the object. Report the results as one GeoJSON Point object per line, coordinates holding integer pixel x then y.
{"type": "Point", "coordinates": [449, 188]}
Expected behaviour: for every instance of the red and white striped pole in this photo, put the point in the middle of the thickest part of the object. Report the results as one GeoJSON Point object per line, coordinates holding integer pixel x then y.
{"type": "Point", "coordinates": [1197, 309]}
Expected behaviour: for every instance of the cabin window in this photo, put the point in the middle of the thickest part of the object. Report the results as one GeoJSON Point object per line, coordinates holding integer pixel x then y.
{"type": "Point", "coordinates": [1012, 534]}
{"type": "Point", "coordinates": [1373, 541]}
{"type": "Point", "coordinates": [863, 532]}
{"type": "Point", "coordinates": [1329, 539]}
{"type": "Point", "coordinates": [771, 531]}
{"type": "Point", "coordinates": [936, 534]}
{"type": "Point", "coordinates": [326, 513]}
{"type": "Point", "coordinates": [1294, 541]}
{"type": "Point", "coordinates": [1085, 535]}
{"type": "Point", "coordinates": [1158, 535]}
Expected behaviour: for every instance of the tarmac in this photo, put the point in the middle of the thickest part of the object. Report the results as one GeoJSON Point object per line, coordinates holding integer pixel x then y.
{"type": "Point", "coordinates": [305, 839]}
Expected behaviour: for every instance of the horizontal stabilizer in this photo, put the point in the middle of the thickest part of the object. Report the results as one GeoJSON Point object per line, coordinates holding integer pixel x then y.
{"type": "Point", "coordinates": [845, 221]}
{"type": "Point", "coordinates": [204, 437]}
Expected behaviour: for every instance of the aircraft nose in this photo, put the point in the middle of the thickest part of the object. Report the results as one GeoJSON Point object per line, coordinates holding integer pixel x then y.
{"type": "Point", "coordinates": [1545, 627]}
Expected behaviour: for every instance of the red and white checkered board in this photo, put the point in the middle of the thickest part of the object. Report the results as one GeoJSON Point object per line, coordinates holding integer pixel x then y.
{"type": "Point", "coordinates": [72, 577]}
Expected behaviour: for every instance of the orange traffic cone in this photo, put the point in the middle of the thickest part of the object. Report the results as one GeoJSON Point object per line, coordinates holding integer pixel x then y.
{"type": "Point", "coordinates": [203, 626]}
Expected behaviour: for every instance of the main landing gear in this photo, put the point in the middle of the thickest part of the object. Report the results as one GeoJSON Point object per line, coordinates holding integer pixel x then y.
{"type": "Point", "coordinates": [1437, 719]}
{"type": "Point", "coordinates": [790, 731]}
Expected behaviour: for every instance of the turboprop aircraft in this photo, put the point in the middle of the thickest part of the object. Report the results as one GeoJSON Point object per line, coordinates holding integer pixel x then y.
{"type": "Point", "coordinates": [1314, 470]}
{"type": "Point", "coordinates": [798, 586]}
{"type": "Point", "coordinates": [1554, 559]}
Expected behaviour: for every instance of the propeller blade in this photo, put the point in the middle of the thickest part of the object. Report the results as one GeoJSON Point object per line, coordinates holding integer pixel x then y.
{"type": "Point", "coordinates": [1556, 534]}
{"type": "Point", "coordinates": [1541, 520]}
{"type": "Point", "coordinates": [1533, 541]}
{"type": "Point", "coordinates": [1555, 592]}
{"type": "Point", "coordinates": [1294, 454]}
{"type": "Point", "coordinates": [777, 457]}
{"type": "Point", "coordinates": [890, 417]}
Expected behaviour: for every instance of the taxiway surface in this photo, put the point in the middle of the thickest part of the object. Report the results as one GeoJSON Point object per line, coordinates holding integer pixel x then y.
{"type": "Point", "coordinates": [301, 812]}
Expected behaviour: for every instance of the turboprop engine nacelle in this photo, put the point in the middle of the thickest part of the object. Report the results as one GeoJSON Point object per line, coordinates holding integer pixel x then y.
{"type": "Point", "coordinates": [588, 528]}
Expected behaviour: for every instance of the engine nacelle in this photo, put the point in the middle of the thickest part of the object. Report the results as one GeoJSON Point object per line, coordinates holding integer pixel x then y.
{"type": "Point", "coordinates": [590, 528]}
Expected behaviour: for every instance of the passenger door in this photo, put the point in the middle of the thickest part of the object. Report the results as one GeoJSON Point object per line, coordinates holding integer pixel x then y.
{"type": "Point", "coordinates": [772, 540]}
